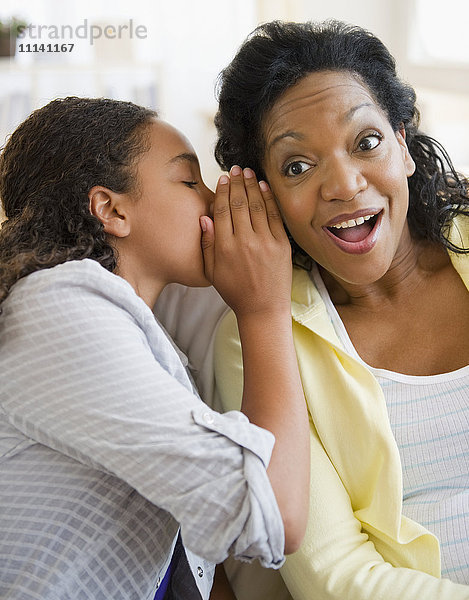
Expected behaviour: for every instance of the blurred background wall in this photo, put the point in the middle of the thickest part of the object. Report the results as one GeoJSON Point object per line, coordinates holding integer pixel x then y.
{"type": "Point", "coordinates": [172, 61]}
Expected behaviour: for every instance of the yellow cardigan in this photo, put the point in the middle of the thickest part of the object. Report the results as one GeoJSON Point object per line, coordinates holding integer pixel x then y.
{"type": "Point", "coordinates": [358, 545]}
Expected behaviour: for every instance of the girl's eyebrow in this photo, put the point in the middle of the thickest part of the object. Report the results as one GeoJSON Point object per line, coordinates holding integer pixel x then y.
{"type": "Point", "coordinates": [184, 157]}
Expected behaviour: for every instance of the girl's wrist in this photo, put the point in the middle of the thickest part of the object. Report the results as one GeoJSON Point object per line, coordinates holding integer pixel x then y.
{"type": "Point", "coordinates": [264, 316]}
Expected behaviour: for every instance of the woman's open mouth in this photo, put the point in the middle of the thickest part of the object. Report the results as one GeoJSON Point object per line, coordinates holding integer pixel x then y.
{"type": "Point", "coordinates": [358, 235]}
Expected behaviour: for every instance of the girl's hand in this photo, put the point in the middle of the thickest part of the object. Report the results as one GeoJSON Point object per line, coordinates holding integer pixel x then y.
{"type": "Point", "coordinates": [248, 259]}
{"type": "Point", "coordinates": [246, 250]}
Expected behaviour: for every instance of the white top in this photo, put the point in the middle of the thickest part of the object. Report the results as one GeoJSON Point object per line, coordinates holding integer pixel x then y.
{"type": "Point", "coordinates": [105, 449]}
{"type": "Point", "coordinates": [429, 417]}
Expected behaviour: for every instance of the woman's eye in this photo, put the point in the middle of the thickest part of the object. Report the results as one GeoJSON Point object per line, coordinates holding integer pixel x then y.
{"type": "Point", "coordinates": [298, 167]}
{"type": "Point", "coordinates": [190, 184]}
{"type": "Point", "coordinates": [370, 142]}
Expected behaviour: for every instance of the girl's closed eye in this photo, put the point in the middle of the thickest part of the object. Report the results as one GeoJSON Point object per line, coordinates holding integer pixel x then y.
{"type": "Point", "coordinates": [190, 184]}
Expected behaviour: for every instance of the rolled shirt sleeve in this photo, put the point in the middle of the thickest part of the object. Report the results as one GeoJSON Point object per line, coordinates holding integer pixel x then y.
{"type": "Point", "coordinates": [87, 371]}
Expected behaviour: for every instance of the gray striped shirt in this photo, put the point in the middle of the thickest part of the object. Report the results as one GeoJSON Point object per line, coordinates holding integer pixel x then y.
{"type": "Point", "coordinates": [106, 450]}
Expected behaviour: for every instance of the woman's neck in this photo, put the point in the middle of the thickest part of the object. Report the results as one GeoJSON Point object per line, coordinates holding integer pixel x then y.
{"type": "Point", "coordinates": [413, 264]}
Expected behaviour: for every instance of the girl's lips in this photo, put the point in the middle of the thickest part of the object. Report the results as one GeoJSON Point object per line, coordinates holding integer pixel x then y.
{"type": "Point", "coordinates": [358, 247]}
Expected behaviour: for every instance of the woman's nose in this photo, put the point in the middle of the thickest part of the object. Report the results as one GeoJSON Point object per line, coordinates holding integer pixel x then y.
{"type": "Point", "coordinates": [342, 180]}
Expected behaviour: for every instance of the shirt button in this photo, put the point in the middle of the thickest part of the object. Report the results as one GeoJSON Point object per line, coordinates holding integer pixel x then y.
{"type": "Point", "coordinates": [208, 418]}
{"type": "Point", "coordinates": [158, 582]}
{"type": "Point", "coordinates": [200, 572]}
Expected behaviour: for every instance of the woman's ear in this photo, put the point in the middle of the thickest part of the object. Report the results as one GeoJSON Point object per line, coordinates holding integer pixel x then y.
{"type": "Point", "coordinates": [110, 209]}
{"type": "Point", "coordinates": [408, 160]}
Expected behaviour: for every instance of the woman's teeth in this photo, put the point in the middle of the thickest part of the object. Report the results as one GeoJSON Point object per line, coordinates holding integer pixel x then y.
{"type": "Point", "coordinates": [352, 222]}
{"type": "Point", "coordinates": [356, 236]}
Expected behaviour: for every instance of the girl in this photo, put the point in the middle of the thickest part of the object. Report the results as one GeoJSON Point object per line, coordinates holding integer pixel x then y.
{"type": "Point", "coordinates": [106, 451]}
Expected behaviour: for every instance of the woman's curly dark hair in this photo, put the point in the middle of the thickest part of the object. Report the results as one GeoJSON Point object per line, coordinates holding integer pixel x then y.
{"type": "Point", "coordinates": [47, 168]}
{"type": "Point", "coordinates": [277, 55]}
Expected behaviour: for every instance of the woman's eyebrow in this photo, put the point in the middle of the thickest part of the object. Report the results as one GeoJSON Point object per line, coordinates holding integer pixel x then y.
{"type": "Point", "coordinates": [184, 157]}
{"type": "Point", "coordinates": [293, 134]}
{"type": "Point", "coordinates": [300, 137]}
{"type": "Point", "coordinates": [349, 114]}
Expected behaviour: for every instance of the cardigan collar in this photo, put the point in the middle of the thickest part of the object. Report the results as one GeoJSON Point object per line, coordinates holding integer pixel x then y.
{"type": "Point", "coordinates": [372, 479]}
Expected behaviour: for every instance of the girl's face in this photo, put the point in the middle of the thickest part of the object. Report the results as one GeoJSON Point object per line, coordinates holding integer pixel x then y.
{"type": "Point", "coordinates": [339, 173]}
{"type": "Point", "coordinates": [164, 243]}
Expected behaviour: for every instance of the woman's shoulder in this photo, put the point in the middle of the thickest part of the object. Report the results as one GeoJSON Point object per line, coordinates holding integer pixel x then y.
{"type": "Point", "coordinates": [459, 236]}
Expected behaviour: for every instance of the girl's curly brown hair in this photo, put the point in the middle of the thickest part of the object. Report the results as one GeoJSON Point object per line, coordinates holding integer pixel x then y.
{"type": "Point", "coordinates": [47, 168]}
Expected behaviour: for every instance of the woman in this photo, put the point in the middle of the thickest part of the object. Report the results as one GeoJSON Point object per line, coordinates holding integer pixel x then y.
{"type": "Point", "coordinates": [379, 221]}
{"type": "Point", "coordinates": [107, 452]}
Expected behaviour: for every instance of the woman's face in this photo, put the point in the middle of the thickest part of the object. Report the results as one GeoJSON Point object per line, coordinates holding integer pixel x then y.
{"type": "Point", "coordinates": [164, 243]}
{"type": "Point", "coordinates": [339, 173]}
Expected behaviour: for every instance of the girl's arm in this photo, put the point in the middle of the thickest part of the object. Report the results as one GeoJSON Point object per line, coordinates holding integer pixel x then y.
{"type": "Point", "coordinates": [86, 370]}
{"type": "Point", "coordinates": [248, 260]}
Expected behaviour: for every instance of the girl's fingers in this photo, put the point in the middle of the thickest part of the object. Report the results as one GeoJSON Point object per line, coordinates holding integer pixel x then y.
{"type": "Point", "coordinates": [274, 217]}
{"type": "Point", "coordinates": [257, 208]}
{"type": "Point", "coordinates": [239, 202]}
{"type": "Point", "coordinates": [221, 207]}
{"type": "Point", "coordinates": [242, 205]}
{"type": "Point", "coordinates": [208, 246]}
